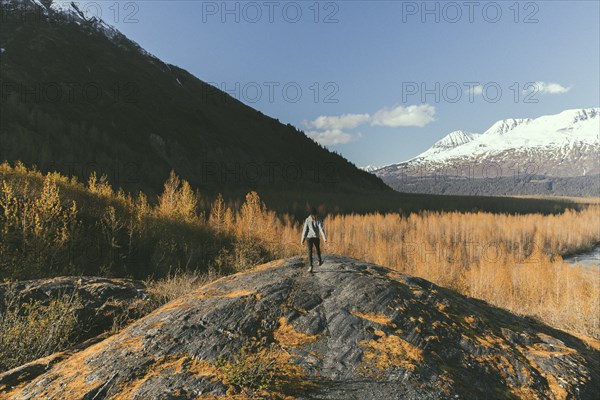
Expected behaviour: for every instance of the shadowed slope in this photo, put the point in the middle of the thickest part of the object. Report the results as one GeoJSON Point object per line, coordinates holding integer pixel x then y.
{"type": "Point", "coordinates": [145, 116]}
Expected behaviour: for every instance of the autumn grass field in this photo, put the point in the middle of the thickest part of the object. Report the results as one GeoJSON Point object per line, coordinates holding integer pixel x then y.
{"type": "Point", "coordinates": [511, 261]}
{"type": "Point", "coordinates": [52, 225]}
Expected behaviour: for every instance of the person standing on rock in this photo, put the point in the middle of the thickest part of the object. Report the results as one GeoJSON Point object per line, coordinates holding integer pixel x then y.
{"type": "Point", "coordinates": [313, 226]}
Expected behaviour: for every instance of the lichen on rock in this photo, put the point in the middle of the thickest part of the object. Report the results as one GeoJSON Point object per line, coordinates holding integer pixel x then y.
{"type": "Point", "coordinates": [350, 330]}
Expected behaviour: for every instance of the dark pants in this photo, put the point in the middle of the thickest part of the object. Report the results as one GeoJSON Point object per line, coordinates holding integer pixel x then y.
{"type": "Point", "coordinates": [310, 242]}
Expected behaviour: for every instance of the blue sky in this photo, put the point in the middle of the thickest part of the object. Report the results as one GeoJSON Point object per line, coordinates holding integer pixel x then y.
{"type": "Point", "coordinates": [363, 66]}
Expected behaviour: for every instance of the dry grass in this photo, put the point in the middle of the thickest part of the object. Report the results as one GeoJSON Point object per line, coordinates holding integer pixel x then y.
{"type": "Point", "coordinates": [262, 371]}
{"type": "Point", "coordinates": [178, 284]}
{"type": "Point", "coordinates": [391, 351]}
{"type": "Point", "coordinates": [512, 261]}
{"type": "Point", "coordinates": [29, 331]}
{"type": "Point", "coordinates": [376, 318]}
{"type": "Point", "coordinates": [288, 337]}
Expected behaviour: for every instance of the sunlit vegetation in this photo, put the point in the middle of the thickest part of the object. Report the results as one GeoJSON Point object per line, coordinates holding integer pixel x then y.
{"type": "Point", "coordinates": [512, 261]}
{"type": "Point", "coordinates": [249, 369]}
{"type": "Point", "coordinates": [52, 225]}
{"type": "Point", "coordinates": [29, 331]}
{"type": "Point", "coordinates": [175, 285]}
{"type": "Point", "coordinates": [261, 370]}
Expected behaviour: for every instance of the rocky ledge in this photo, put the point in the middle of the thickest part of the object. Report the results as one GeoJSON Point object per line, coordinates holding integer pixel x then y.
{"type": "Point", "coordinates": [100, 300]}
{"type": "Point", "coordinates": [351, 330]}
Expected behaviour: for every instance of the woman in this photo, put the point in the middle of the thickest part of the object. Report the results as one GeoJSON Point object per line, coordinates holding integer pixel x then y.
{"type": "Point", "coordinates": [313, 226]}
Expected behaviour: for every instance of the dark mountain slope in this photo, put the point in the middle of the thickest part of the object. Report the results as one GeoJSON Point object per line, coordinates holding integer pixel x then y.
{"type": "Point", "coordinates": [78, 96]}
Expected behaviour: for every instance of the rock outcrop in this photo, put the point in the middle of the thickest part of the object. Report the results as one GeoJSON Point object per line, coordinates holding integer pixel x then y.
{"type": "Point", "coordinates": [351, 330]}
{"type": "Point", "coordinates": [101, 299]}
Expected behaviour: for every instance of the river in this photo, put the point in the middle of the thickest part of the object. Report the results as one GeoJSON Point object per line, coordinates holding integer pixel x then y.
{"type": "Point", "coordinates": [590, 258]}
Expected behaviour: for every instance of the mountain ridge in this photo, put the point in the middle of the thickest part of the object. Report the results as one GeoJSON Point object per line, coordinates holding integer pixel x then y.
{"type": "Point", "coordinates": [561, 146]}
{"type": "Point", "coordinates": [450, 141]}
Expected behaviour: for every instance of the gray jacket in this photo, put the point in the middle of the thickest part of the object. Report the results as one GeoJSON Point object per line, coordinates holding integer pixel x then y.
{"type": "Point", "coordinates": [312, 228]}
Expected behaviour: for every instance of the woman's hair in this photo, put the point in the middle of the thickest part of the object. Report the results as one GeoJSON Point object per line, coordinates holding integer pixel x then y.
{"type": "Point", "coordinates": [313, 211]}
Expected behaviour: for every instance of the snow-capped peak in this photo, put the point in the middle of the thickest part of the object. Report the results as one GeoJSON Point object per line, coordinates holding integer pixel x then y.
{"type": "Point", "coordinates": [63, 6]}
{"type": "Point", "coordinates": [506, 125]}
{"type": "Point", "coordinates": [581, 114]}
{"type": "Point", "coordinates": [369, 168]}
{"type": "Point", "coordinates": [450, 141]}
{"type": "Point", "coordinates": [575, 127]}
{"type": "Point", "coordinates": [454, 139]}
{"type": "Point", "coordinates": [69, 11]}
{"type": "Point", "coordinates": [566, 144]}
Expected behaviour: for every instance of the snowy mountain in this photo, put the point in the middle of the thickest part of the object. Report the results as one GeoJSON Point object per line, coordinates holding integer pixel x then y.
{"type": "Point", "coordinates": [565, 145]}
{"type": "Point", "coordinates": [450, 141]}
{"type": "Point", "coordinates": [369, 168]}
{"type": "Point", "coordinates": [67, 11]}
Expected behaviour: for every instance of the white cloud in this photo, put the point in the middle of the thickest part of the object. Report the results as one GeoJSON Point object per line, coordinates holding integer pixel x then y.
{"type": "Point", "coordinates": [548, 88]}
{"type": "Point", "coordinates": [420, 116]}
{"type": "Point", "coordinates": [346, 121]}
{"type": "Point", "coordinates": [474, 90]}
{"type": "Point", "coordinates": [332, 137]}
{"type": "Point", "coordinates": [331, 130]}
